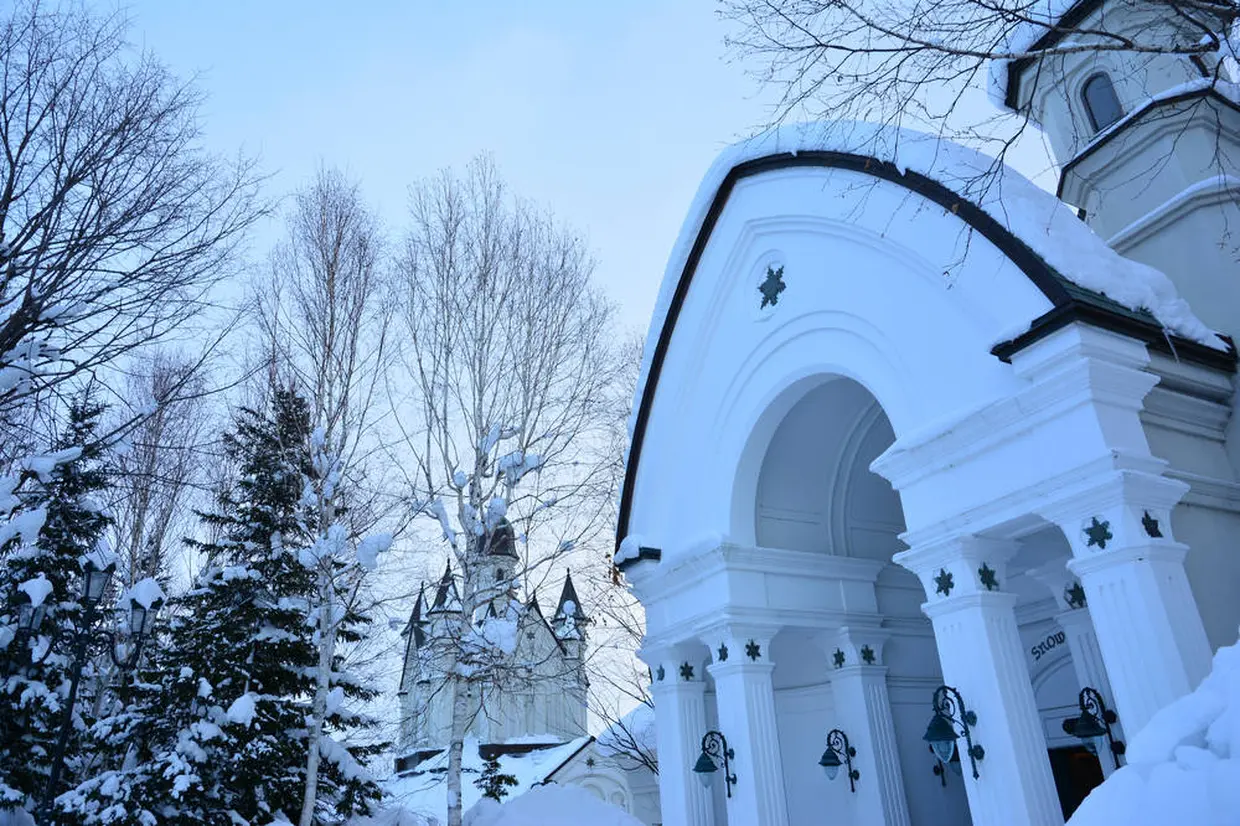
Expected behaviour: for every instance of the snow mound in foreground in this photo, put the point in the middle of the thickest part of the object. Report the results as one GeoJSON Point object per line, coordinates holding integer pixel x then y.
{"type": "Point", "coordinates": [550, 805]}
{"type": "Point", "coordinates": [1184, 766]}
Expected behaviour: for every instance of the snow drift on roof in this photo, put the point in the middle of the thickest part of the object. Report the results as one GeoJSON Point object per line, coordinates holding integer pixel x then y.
{"type": "Point", "coordinates": [1033, 215]}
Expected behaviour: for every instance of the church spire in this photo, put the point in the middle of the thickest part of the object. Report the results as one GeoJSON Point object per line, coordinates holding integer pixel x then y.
{"type": "Point", "coordinates": [447, 599]}
{"type": "Point", "coordinates": [568, 618]}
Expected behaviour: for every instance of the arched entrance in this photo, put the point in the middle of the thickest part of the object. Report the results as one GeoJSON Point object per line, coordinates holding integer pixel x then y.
{"type": "Point", "coordinates": [829, 320]}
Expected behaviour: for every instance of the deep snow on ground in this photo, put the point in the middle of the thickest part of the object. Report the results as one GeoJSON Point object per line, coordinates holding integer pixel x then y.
{"type": "Point", "coordinates": [550, 805]}
{"type": "Point", "coordinates": [1184, 766]}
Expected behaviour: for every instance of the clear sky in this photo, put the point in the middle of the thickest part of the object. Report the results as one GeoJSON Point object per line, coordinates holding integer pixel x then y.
{"type": "Point", "coordinates": [609, 113]}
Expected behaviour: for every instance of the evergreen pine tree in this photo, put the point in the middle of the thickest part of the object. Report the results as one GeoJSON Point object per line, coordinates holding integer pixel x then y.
{"type": "Point", "coordinates": [54, 521]}
{"type": "Point", "coordinates": [215, 728]}
{"type": "Point", "coordinates": [492, 782]}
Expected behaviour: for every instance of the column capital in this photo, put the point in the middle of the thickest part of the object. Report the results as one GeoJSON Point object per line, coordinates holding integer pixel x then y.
{"type": "Point", "coordinates": [1064, 585]}
{"type": "Point", "coordinates": [854, 646]}
{"type": "Point", "coordinates": [731, 642]}
{"type": "Point", "coordinates": [1119, 508]}
{"type": "Point", "coordinates": [959, 565]}
{"type": "Point", "coordinates": [671, 664]}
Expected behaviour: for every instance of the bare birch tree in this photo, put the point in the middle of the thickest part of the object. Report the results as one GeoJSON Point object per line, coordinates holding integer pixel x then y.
{"type": "Point", "coordinates": [325, 314]}
{"type": "Point", "coordinates": [514, 371]}
{"type": "Point", "coordinates": [114, 222]}
{"type": "Point", "coordinates": [160, 475]}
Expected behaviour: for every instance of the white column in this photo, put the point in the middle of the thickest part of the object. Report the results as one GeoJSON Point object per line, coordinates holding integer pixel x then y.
{"type": "Point", "coordinates": [1078, 628]}
{"type": "Point", "coordinates": [982, 657]}
{"type": "Point", "coordinates": [745, 700]}
{"type": "Point", "coordinates": [863, 712]}
{"type": "Point", "coordinates": [680, 722]}
{"type": "Point", "coordinates": [1146, 620]}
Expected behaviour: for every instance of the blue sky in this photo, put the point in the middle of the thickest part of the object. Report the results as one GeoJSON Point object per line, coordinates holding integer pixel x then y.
{"type": "Point", "coordinates": [609, 113]}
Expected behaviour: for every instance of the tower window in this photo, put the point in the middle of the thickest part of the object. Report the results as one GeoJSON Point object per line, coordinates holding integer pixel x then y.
{"type": "Point", "coordinates": [1101, 102]}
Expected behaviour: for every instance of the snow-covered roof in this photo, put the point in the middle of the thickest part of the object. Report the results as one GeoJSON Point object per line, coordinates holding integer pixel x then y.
{"type": "Point", "coordinates": [1031, 35]}
{"type": "Point", "coordinates": [424, 793]}
{"type": "Point", "coordinates": [1061, 244]}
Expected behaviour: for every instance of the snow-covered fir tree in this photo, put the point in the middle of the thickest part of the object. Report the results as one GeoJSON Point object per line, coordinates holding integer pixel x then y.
{"type": "Point", "coordinates": [215, 729]}
{"type": "Point", "coordinates": [54, 524]}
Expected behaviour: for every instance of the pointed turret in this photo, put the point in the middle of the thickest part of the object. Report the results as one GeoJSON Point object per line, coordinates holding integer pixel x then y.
{"type": "Point", "coordinates": [447, 598]}
{"type": "Point", "coordinates": [569, 620]}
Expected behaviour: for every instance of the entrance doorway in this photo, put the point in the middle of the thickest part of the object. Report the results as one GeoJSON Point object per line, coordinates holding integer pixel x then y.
{"type": "Point", "coordinates": [1077, 771]}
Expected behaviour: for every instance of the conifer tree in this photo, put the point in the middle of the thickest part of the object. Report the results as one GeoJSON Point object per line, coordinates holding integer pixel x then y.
{"type": "Point", "coordinates": [51, 521]}
{"type": "Point", "coordinates": [215, 728]}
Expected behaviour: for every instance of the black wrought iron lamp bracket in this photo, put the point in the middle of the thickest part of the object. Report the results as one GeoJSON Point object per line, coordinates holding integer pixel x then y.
{"type": "Point", "coordinates": [950, 705]}
{"type": "Point", "coordinates": [715, 746]}
{"type": "Point", "coordinates": [837, 741]}
{"type": "Point", "coordinates": [1091, 703]}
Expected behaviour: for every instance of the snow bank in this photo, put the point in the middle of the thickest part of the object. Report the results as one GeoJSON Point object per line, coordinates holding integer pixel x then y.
{"type": "Point", "coordinates": [1035, 216]}
{"type": "Point", "coordinates": [550, 805]}
{"type": "Point", "coordinates": [1184, 766]}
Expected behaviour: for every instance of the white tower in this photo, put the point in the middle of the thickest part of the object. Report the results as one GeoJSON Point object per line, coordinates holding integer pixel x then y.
{"type": "Point", "coordinates": [1149, 150]}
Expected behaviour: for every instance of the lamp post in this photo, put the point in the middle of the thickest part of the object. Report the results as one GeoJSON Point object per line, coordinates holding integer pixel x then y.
{"type": "Point", "coordinates": [1095, 722]}
{"type": "Point", "coordinates": [950, 722]}
{"type": "Point", "coordinates": [714, 749]}
{"type": "Point", "coordinates": [839, 753]}
{"type": "Point", "coordinates": [95, 581]}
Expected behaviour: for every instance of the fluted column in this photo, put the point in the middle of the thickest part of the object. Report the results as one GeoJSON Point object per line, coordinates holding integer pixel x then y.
{"type": "Point", "coordinates": [981, 653]}
{"type": "Point", "coordinates": [680, 722]}
{"type": "Point", "coordinates": [745, 700]}
{"type": "Point", "coordinates": [1078, 629]}
{"type": "Point", "coordinates": [863, 712]}
{"type": "Point", "coordinates": [1132, 571]}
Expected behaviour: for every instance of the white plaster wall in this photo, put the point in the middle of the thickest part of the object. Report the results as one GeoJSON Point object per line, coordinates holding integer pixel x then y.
{"type": "Point", "coordinates": [847, 243]}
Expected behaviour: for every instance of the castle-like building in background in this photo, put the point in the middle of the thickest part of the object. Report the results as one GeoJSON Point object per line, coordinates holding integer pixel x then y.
{"type": "Point", "coordinates": [551, 702]}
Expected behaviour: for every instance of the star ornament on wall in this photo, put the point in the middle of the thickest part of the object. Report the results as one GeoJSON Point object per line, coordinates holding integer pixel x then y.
{"type": "Point", "coordinates": [686, 671]}
{"type": "Point", "coordinates": [867, 654]}
{"type": "Point", "coordinates": [988, 577]}
{"type": "Point", "coordinates": [838, 658]}
{"type": "Point", "coordinates": [659, 674]}
{"type": "Point", "coordinates": [1074, 596]}
{"type": "Point", "coordinates": [943, 582]}
{"type": "Point", "coordinates": [753, 650]}
{"type": "Point", "coordinates": [771, 287]}
{"type": "Point", "coordinates": [723, 652]}
{"type": "Point", "coordinates": [1098, 533]}
{"type": "Point", "coordinates": [1151, 526]}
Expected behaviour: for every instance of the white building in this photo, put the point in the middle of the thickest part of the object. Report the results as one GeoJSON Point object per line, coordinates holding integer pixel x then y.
{"type": "Point", "coordinates": [895, 432]}
{"type": "Point", "coordinates": [534, 726]}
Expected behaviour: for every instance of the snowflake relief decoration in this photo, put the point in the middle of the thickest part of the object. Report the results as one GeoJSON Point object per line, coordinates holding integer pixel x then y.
{"type": "Point", "coordinates": [771, 287]}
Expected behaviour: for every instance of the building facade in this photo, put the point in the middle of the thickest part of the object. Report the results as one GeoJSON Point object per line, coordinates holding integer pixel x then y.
{"type": "Point", "coordinates": [547, 694]}
{"type": "Point", "coordinates": [909, 455]}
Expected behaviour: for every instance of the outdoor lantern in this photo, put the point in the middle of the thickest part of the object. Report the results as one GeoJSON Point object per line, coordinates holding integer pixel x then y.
{"type": "Point", "coordinates": [839, 753]}
{"type": "Point", "coordinates": [941, 736]}
{"type": "Point", "coordinates": [951, 721]}
{"type": "Point", "coordinates": [715, 747]}
{"type": "Point", "coordinates": [29, 617]}
{"type": "Point", "coordinates": [1094, 723]}
{"type": "Point", "coordinates": [830, 763]}
{"type": "Point", "coordinates": [95, 580]}
{"type": "Point", "coordinates": [141, 619]}
{"type": "Point", "coordinates": [705, 768]}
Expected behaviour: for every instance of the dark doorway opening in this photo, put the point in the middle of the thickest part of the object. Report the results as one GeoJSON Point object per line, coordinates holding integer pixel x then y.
{"type": "Point", "coordinates": [1077, 771]}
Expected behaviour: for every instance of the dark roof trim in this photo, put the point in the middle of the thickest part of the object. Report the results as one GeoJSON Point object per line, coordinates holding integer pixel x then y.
{"type": "Point", "coordinates": [1051, 284]}
{"type": "Point", "coordinates": [549, 777]}
{"type": "Point", "coordinates": [1065, 25]}
{"type": "Point", "coordinates": [1132, 118]}
{"type": "Point", "coordinates": [1147, 331]}
{"type": "Point", "coordinates": [652, 554]}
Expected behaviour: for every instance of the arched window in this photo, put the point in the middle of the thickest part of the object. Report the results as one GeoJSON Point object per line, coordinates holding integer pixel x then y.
{"type": "Point", "coordinates": [1101, 102]}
